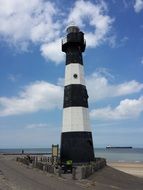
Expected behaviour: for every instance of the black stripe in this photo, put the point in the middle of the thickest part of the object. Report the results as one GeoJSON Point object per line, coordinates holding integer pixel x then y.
{"type": "Point", "coordinates": [74, 55]}
{"type": "Point", "coordinates": [77, 146]}
{"type": "Point", "coordinates": [75, 95]}
{"type": "Point", "coordinates": [75, 40]}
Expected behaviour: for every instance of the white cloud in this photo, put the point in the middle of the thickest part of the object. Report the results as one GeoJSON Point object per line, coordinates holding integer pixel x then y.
{"type": "Point", "coordinates": [114, 42]}
{"type": "Point", "coordinates": [14, 77]}
{"type": "Point", "coordinates": [23, 22]}
{"type": "Point", "coordinates": [138, 6]}
{"type": "Point", "coordinates": [97, 19]}
{"type": "Point", "coordinates": [127, 109]}
{"type": "Point", "coordinates": [36, 126]}
{"type": "Point", "coordinates": [126, 4]}
{"type": "Point", "coordinates": [99, 87]}
{"type": "Point", "coordinates": [61, 81]}
{"type": "Point", "coordinates": [52, 51]}
{"type": "Point", "coordinates": [34, 97]}
{"type": "Point", "coordinates": [42, 95]}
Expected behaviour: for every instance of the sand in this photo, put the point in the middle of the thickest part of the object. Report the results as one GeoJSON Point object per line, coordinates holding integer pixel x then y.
{"type": "Point", "coordinates": [135, 169]}
{"type": "Point", "coordinates": [16, 176]}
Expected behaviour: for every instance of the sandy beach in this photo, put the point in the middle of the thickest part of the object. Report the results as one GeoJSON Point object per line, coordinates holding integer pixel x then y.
{"type": "Point", "coordinates": [16, 176]}
{"type": "Point", "coordinates": [135, 169]}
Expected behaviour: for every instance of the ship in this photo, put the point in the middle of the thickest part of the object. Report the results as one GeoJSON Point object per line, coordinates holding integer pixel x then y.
{"type": "Point", "coordinates": [121, 147]}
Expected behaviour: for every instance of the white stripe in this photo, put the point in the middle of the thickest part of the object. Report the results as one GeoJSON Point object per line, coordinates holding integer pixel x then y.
{"type": "Point", "coordinates": [75, 119]}
{"type": "Point", "coordinates": [70, 70]}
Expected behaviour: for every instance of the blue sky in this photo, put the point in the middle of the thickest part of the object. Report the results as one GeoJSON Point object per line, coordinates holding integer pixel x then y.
{"type": "Point", "coordinates": [32, 70]}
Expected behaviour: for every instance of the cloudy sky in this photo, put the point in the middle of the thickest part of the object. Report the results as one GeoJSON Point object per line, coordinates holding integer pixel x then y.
{"type": "Point", "coordinates": [32, 70]}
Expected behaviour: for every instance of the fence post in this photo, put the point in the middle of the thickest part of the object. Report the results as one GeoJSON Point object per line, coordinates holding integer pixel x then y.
{"type": "Point", "coordinates": [60, 172]}
{"type": "Point", "coordinates": [74, 173]}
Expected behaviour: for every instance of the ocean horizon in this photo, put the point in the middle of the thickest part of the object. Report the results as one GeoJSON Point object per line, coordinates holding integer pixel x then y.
{"type": "Point", "coordinates": [112, 155]}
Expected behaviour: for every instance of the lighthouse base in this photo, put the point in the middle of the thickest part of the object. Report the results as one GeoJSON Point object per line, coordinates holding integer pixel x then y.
{"type": "Point", "coordinates": [77, 146]}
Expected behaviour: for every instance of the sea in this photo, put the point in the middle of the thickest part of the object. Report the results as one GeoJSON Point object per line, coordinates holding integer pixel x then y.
{"type": "Point", "coordinates": [133, 155]}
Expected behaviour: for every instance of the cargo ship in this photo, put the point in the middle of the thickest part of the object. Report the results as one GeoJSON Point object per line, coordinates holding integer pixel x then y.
{"type": "Point", "coordinates": [121, 147]}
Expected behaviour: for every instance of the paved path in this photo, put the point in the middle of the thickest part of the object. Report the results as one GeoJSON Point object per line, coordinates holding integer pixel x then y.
{"type": "Point", "coordinates": [15, 176]}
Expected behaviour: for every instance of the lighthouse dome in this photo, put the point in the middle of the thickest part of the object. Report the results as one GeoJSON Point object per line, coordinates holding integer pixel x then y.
{"type": "Point", "coordinates": [72, 28]}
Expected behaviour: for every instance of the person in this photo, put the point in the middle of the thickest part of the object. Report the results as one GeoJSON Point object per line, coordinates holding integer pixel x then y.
{"type": "Point", "coordinates": [29, 158]}
{"type": "Point", "coordinates": [69, 165]}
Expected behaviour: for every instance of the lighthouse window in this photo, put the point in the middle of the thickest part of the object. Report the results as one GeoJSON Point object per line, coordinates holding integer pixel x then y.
{"type": "Point", "coordinates": [75, 76]}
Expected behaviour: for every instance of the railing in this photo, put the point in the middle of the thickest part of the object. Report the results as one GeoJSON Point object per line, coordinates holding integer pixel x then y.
{"type": "Point", "coordinates": [64, 40]}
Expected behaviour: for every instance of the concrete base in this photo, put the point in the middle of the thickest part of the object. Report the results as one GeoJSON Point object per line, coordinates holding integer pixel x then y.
{"type": "Point", "coordinates": [80, 170]}
{"type": "Point", "coordinates": [89, 169]}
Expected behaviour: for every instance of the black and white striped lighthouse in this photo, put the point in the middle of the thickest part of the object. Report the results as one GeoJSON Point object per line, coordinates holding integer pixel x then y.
{"type": "Point", "coordinates": [76, 137]}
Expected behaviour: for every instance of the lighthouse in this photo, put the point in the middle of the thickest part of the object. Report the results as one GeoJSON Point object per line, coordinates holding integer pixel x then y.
{"type": "Point", "coordinates": [76, 136]}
